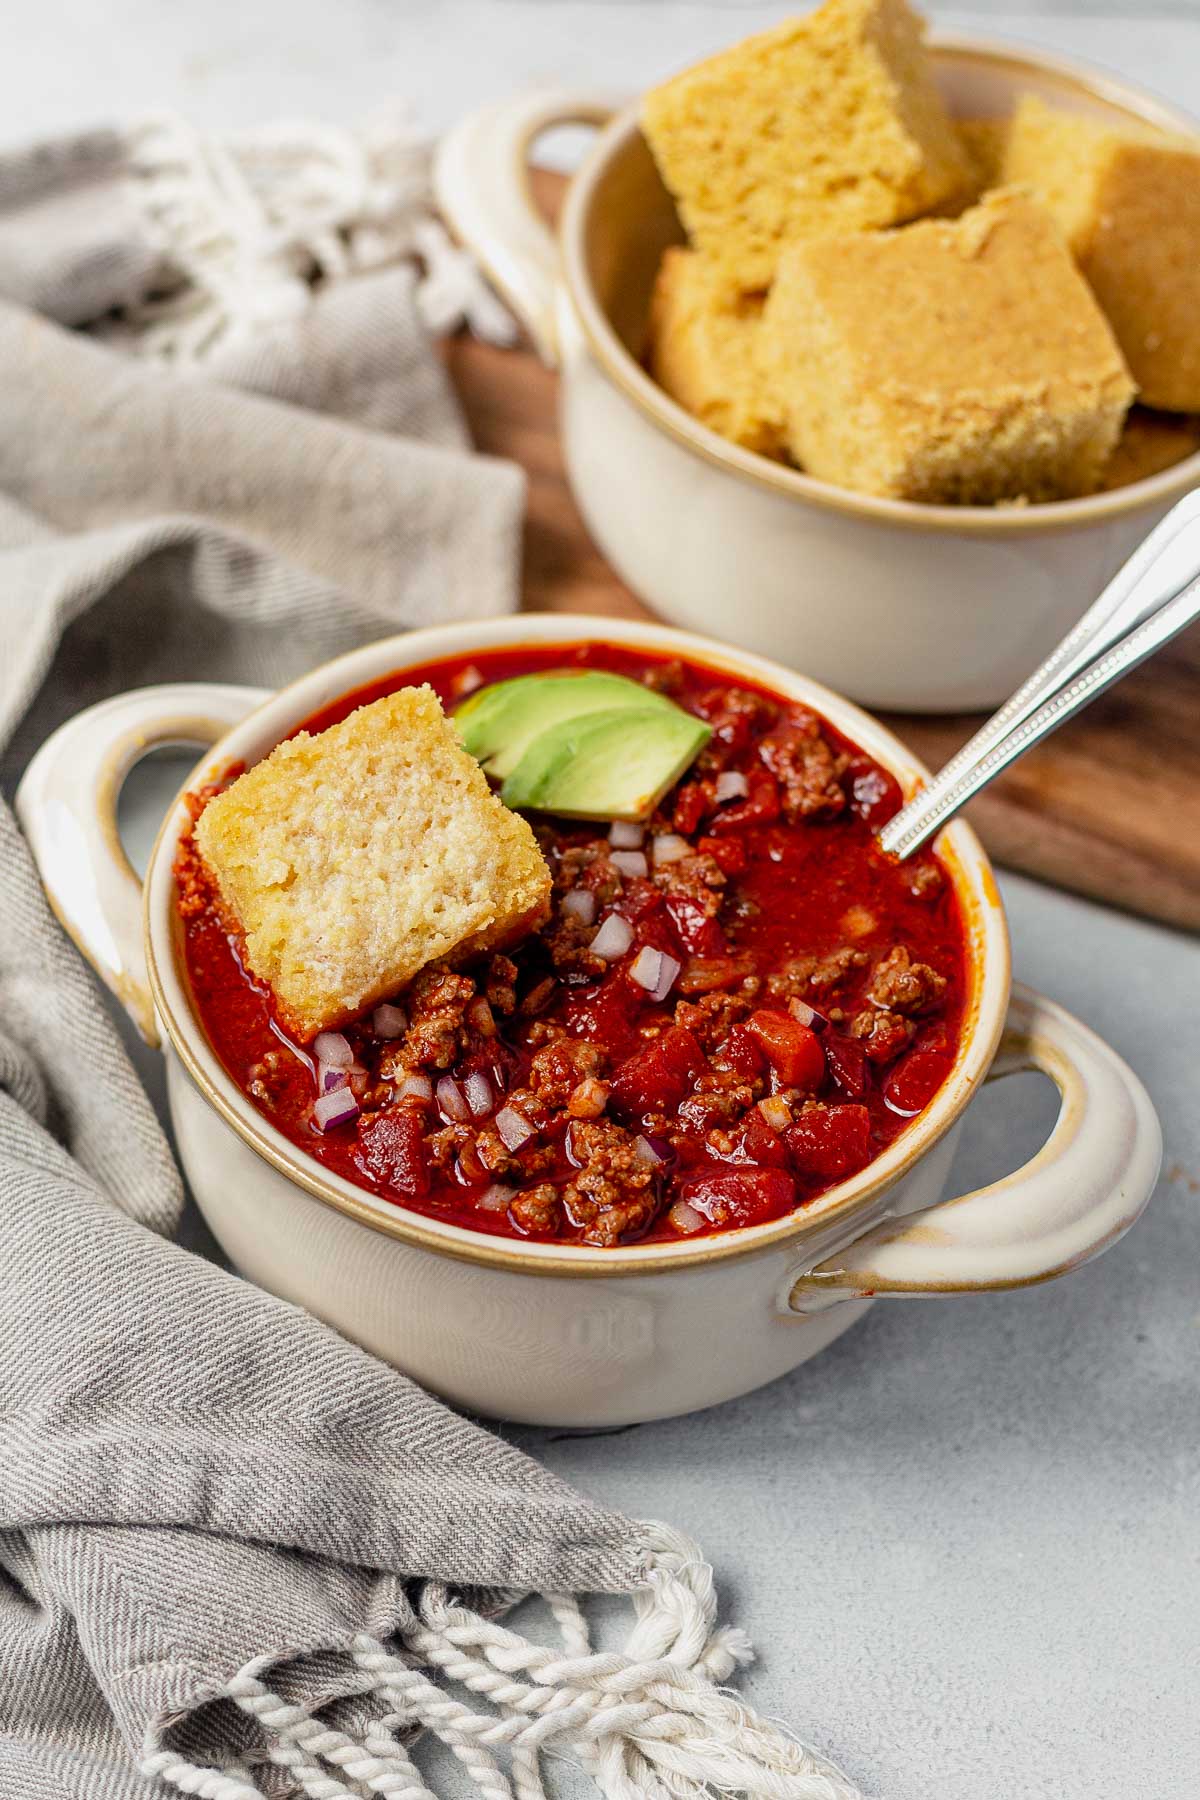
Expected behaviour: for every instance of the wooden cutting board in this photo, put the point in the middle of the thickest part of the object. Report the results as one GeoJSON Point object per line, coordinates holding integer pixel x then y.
{"type": "Point", "coordinates": [1108, 807]}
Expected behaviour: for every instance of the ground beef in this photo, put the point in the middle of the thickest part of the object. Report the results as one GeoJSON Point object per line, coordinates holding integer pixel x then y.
{"type": "Point", "coordinates": [453, 1147]}
{"type": "Point", "coordinates": [500, 984]}
{"type": "Point", "coordinates": [721, 1097]}
{"type": "Point", "coordinates": [612, 1192]}
{"type": "Point", "coordinates": [807, 769]}
{"type": "Point", "coordinates": [901, 985]}
{"type": "Point", "coordinates": [883, 1034]}
{"type": "Point", "coordinates": [436, 1003]}
{"type": "Point", "coordinates": [538, 1208]}
{"type": "Point", "coordinates": [710, 1017]}
{"type": "Point", "coordinates": [557, 1070]}
{"type": "Point", "coordinates": [589, 866]}
{"type": "Point", "coordinates": [567, 941]}
{"type": "Point", "coordinates": [699, 877]}
{"type": "Point", "coordinates": [807, 975]}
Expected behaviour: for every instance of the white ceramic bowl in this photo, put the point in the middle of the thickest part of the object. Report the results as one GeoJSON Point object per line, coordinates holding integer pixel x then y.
{"type": "Point", "coordinates": [921, 608]}
{"type": "Point", "coordinates": [563, 1334]}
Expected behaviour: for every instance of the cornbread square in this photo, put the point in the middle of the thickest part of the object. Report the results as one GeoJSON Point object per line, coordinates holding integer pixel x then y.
{"type": "Point", "coordinates": [704, 351]}
{"type": "Point", "coordinates": [827, 123]}
{"type": "Point", "coordinates": [1128, 201]}
{"type": "Point", "coordinates": [954, 360]}
{"type": "Point", "coordinates": [351, 859]}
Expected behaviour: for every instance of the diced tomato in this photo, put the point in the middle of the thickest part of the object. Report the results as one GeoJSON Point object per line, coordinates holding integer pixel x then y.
{"type": "Point", "coordinates": [729, 854]}
{"type": "Point", "coordinates": [793, 1050]}
{"type": "Point", "coordinates": [609, 1014]}
{"type": "Point", "coordinates": [847, 1063]}
{"type": "Point", "coordinates": [740, 1053]}
{"type": "Point", "coordinates": [759, 1143]}
{"type": "Point", "coordinates": [697, 933]}
{"type": "Point", "coordinates": [740, 1196]}
{"type": "Point", "coordinates": [759, 807]}
{"type": "Point", "coordinates": [915, 1080]}
{"type": "Point", "coordinates": [691, 804]}
{"type": "Point", "coordinates": [830, 1140]}
{"type": "Point", "coordinates": [638, 898]}
{"type": "Point", "coordinates": [658, 1076]}
{"type": "Point", "coordinates": [392, 1151]}
{"type": "Point", "coordinates": [874, 794]}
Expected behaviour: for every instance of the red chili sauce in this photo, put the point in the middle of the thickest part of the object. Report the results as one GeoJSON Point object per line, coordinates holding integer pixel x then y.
{"type": "Point", "coordinates": [816, 1008]}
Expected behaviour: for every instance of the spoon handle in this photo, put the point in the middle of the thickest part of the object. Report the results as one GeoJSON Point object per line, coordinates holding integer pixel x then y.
{"type": "Point", "coordinates": [1152, 598]}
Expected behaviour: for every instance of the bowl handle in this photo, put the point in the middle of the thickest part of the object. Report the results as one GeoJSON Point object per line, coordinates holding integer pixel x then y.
{"type": "Point", "coordinates": [1082, 1190]}
{"type": "Point", "coordinates": [67, 806]}
{"type": "Point", "coordinates": [481, 184]}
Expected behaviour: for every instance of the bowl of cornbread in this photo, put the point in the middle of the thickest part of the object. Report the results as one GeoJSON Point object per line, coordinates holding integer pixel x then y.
{"type": "Point", "coordinates": [877, 354]}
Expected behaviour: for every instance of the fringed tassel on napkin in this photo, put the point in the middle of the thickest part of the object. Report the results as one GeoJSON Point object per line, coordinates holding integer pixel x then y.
{"type": "Point", "coordinates": [650, 1722]}
{"type": "Point", "coordinates": [250, 226]}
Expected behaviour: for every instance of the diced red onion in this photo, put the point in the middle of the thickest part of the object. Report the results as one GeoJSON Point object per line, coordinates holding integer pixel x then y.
{"type": "Point", "coordinates": [645, 1152]}
{"type": "Point", "coordinates": [669, 847]}
{"type": "Point", "coordinates": [496, 1198]}
{"type": "Point", "coordinates": [776, 1111]}
{"type": "Point", "coordinates": [451, 1100]}
{"type": "Point", "coordinates": [415, 1087]}
{"type": "Point", "coordinates": [731, 785]}
{"type": "Point", "coordinates": [389, 1021]}
{"type": "Point", "coordinates": [328, 1079]}
{"type": "Point", "coordinates": [332, 1048]}
{"type": "Point", "coordinates": [613, 938]}
{"type": "Point", "coordinates": [630, 862]}
{"type": "Point", "coordinates": [514, 1128]}
{"type": "Point", "coordinates": [804, 1014]}
{"type": "Point", "coordinates": [624, 835]}
{"type": "Point", "coordinates": [655, 971]}
{"type": "Point", "coordinates": [580, 903]}
{"type": "Point", "coordinates": [478, 1091]}
{"type": "Point", "coordinates": [686, 1219]}
{"type": "Point", "coordinates": [337, 1108]}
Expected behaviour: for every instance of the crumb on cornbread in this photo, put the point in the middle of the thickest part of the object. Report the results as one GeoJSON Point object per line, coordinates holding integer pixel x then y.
{"type": "Point", "coordinates": [351, 859]}
{"type": "Point", "coordinates": [830, 122]}
{"type": "Point", "coordinates": [1128, 200]}
{"type": "Point", "coordinates": [958, 360]}
{"type": "Point", "coordinates": [704, 351]}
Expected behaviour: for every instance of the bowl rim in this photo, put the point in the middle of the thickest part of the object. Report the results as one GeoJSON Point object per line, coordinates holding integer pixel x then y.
{"type": "Point", "coordinates": [266, 724]}
{"type": "Point", "coordinates": [667, 415]}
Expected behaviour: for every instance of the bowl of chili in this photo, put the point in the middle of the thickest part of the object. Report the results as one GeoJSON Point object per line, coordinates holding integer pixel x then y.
{"type": "Point", "coordinates": [672, 1143]}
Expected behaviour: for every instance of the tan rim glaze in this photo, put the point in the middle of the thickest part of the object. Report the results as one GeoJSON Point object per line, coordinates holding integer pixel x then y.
{"type": "Point", "coordinates": [960, 852]}
{"type": "Point", "coordinates": [1076, 81]}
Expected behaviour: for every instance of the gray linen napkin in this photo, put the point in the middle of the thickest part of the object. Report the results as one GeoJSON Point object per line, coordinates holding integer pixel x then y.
{"type": "Point", "coordinates": [225, 1532]}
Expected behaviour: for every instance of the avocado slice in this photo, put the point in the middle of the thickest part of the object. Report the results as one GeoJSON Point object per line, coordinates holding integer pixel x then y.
{"type": "Point", "coordinates": [615, 764]}
{"type": "Point", "coordinates": [499, 723]}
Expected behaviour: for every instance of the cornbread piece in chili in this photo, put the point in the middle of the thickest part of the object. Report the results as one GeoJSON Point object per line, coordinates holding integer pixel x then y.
{"type": "Point", "coordinates": [703, 351]}
{"type": "Point", "coordinates": [351, 859]}
{"type": "Point", "coordinates": [954, 360]}
{"type": "Point", "coordinates": [1128, 201]}
{"type": "Point", "coordinates": [829, 122]}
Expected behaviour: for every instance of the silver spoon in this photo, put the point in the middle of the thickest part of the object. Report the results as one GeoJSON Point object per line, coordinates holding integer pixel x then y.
{"type": "Point", "coordinates": [1149, 601]}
